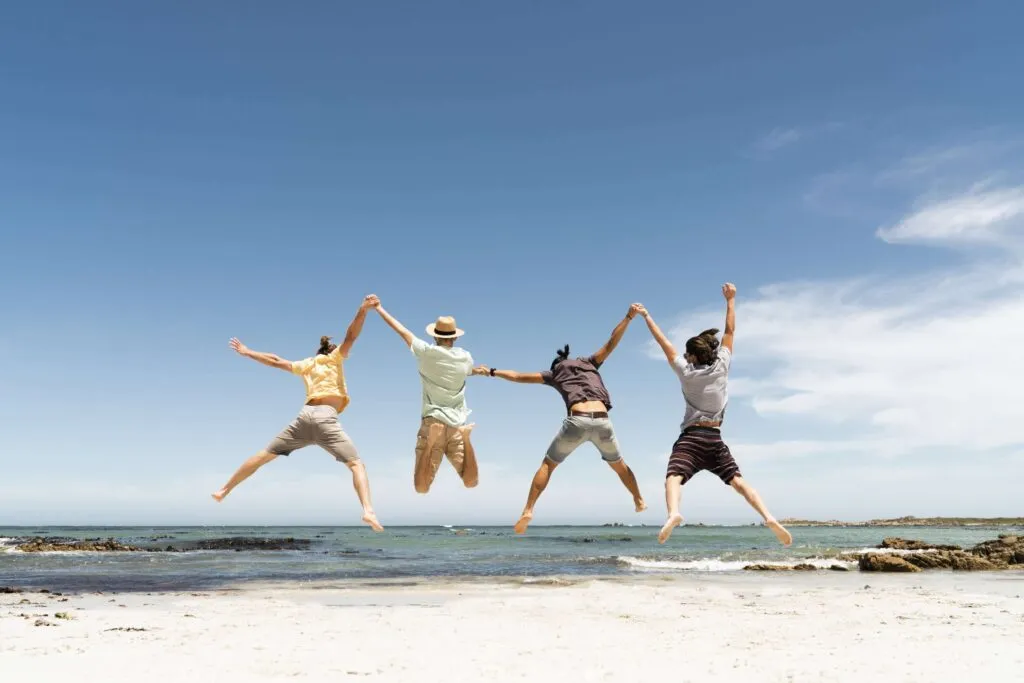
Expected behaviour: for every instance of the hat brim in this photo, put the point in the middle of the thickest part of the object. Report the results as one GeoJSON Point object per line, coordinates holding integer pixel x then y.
{"type": "Point", "coordinates": [432, 331]}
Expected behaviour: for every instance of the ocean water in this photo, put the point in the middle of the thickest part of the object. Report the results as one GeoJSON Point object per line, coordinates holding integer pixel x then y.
{"type": "Point", "coordinates": [336, 554]}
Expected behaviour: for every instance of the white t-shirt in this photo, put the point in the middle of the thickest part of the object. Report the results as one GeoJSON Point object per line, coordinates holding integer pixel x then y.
{"type": "Point", "coordinates": [443, 370]}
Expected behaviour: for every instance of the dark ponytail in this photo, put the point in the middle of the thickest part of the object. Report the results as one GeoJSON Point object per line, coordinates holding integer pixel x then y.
{"type": "Point", "coordinates": [704, 346]}
{"type": "Point", "coordinates": [325, 346]}
{"type": "Point", "coordinates": [560, 355]}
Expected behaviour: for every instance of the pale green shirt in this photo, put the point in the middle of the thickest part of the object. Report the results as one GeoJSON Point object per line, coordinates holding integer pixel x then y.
{"type": "Point", "coordinates": [443, 371]}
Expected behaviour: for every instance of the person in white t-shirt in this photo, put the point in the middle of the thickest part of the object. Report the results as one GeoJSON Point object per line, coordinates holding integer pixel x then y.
{"type": "Point", "coordinates": [703, 371]}
{"type": "Point", "coordinates": [443, 368]}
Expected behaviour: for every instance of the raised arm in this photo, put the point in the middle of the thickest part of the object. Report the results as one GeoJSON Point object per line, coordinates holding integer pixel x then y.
{"type": "Point", "coordinates": [265, 358]}
{"type": "Point", "coordinates": [620, 329]}
{"type": "Point", "coordinates": [510, 375]}
{"type": "Point", "coordinates": [395, 325]}
{"type": "Point", "coordinates": [356, 326]}
{"type": "Point", "coordinates": [659, 336]}
{"type": "Point", "coordinates": [729, 292]}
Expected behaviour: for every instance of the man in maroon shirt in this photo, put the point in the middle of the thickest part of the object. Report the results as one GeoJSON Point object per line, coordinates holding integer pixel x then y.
{"type": "Point", "coordinates": [587, 403]}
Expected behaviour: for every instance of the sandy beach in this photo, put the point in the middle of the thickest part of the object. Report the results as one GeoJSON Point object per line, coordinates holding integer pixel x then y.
{"type": "Point", "coordinates": [821, 627]}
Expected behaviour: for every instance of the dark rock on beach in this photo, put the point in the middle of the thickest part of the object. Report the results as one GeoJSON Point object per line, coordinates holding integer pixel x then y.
{"type": "Point", "coordinates": [1005, 552]}
{"type": "Point", "coordinates": [8, 590]}
{"type": "Point", "coordinates": [878, 562]}
{"type": "Point", "coordinates": [252, 543]}
{"type": "Point", "coordinates": [45, 545]}
{"type": "Point", "coordinates": [908, 544]}
{"type": "Point", "coordinates": [802, 567]}
{"type": "Point", "coordinates": [949, 559]}
{"type": "Point", "coordinates": [1006, 549]}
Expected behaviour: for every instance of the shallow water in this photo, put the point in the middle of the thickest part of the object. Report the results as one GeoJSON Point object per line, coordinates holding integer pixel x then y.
{"type": "Point", "coordinates": [339, 553]}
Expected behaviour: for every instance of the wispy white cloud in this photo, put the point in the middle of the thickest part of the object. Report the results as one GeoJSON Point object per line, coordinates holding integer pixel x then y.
{"type": "Point", "coordinates": [779, 138]}
{"type": "Point", "coordinates": [973, 217]}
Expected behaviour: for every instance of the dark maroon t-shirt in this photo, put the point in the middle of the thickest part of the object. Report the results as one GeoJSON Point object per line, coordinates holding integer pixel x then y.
{"type": "Point", "coordinates": [578, 381]}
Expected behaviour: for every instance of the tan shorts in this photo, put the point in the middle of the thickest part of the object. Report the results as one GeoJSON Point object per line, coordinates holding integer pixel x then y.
{"type": "Point", "coordinates": [435, 439]}
{"type": "Point", "coordinates": [315, 425]}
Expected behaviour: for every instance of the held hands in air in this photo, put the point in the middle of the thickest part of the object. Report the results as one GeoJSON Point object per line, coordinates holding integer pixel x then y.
{"type": "Point", "coordinates": [729, 291]}
{"type": "Point", "coordinates": [481, 370]}
{"type": "Point", "coordinates": [370, 301]}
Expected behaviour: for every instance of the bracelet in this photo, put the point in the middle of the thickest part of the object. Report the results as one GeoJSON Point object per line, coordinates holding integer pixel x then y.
{"type": "Point", "coordinates": [493, 370]}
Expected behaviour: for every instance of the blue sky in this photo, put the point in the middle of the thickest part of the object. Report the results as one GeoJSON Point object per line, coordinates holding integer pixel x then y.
{"type": "Point", "coordinates": [173, 175]}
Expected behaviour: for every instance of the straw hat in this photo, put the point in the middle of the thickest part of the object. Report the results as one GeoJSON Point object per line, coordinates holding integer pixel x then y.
{"type": "Point", "coordinates": [444, 328]}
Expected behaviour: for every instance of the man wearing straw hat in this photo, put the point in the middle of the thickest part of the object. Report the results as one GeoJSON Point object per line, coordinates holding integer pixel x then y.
{"type": "Point", "coordinates": [443, 368]}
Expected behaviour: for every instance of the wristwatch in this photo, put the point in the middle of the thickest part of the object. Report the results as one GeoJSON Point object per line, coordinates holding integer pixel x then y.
{"type": "Point", "coordinates": [493, 370]}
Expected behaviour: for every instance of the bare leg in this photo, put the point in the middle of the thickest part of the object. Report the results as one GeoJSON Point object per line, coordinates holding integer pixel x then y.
{"type": "Point", "coordinates": [537, 486]}
{"type": "Point", "coordinates": [629, 481]}
{"type": "Point", "coordinates": [748, 492]}
{"type": "Point", "coordinates": [673, 491]}
{"type": "Point", "coordinates": [470, 472]}
{"type": "Point", "coordinates": [244, 472]}
{"type": "Point", "coordinates": [362, 487]}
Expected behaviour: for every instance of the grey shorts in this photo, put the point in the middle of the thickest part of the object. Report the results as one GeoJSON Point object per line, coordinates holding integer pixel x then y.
{"type": "Point", "coordinates": [316, 425]}
{"type": "Point", "coordinates": [576, 429]}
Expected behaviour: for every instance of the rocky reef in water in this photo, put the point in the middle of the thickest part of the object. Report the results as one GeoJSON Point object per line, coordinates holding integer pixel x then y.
{"type": "Point", "coordinates": [42, 544]}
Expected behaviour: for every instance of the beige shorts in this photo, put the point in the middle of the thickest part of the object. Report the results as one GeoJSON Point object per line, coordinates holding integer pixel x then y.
{"type": "Point", "coordinates": [316, 425]}
{"type": "Point", "coordinates": [436, 439]}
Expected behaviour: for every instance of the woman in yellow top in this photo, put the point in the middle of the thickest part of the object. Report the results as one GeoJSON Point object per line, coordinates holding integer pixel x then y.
{"type": "Point", "coordinates": [317, 423]}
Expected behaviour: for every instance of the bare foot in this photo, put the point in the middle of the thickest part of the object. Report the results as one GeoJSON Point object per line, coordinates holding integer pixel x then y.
{"type": "Point", "coordinates": [371, 519]}
{"type": "Point", "coordinates": [523, 522]}
{"type": "Point", "coordinates": [640, 504]}
{"type": "Point", "coordinates": [672, 523]}
{"type": "Point", "coordinates": [219, 496]}
{"type": "Point", "coordinates": [785, 538]}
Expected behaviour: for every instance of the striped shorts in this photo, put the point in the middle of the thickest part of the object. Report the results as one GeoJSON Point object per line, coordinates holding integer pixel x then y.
{"type": "Point", "coordinates": [701, 448]}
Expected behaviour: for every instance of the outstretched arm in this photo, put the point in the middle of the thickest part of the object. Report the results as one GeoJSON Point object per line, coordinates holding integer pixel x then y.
{"type": "Point", "coordinates": [265, 358]}
{"type": "Point", "coordinates": [395, 325]}
{"type": "Point", "coordinates": [729, 292]}
{"type": "Point", "coordinates": [659, 336]}
{"type": "Point", "coordinates": [620, 329]}
{"type": "Point", "coordinates": [356, 326]}
{"type": "Point", "coordinates": [510, 375]}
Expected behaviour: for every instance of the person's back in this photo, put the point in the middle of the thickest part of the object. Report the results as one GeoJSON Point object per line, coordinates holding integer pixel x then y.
{"type": "Point", "coordinates": [705, 388]}
{"type": "Point", "coordinates": [578, 381]}
{"type": "Point", "coordinates": [443, 371]}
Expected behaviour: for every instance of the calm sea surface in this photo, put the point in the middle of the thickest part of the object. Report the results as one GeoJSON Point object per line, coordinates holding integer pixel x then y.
{"type": "Point", "coordinates": [339, 553]}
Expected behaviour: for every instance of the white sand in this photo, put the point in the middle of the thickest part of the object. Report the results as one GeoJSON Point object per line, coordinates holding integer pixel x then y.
{"type": "Point", "coordinates": [752, 627]}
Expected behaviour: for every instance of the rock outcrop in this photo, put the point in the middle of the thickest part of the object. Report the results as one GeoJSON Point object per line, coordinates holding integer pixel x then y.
{"type": "Point", "coordinates": [49, 545]}
{"type": "Point", "coordinates": [1005, 552]}
{"type": "Point", "coordinates": [879, 562]}
{"type": "Point", "coordinates": [893, 543]}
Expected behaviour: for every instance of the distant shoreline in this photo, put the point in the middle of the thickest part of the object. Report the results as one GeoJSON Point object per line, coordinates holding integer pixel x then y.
{"type": "Point", "coordinates": [911, 521]}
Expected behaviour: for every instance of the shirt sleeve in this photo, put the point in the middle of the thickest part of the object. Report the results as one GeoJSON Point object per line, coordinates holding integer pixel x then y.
{"type": "Point", "coordinates": [301, 367]}
{"type": "Point", "coordinates": [547, 377]}
{"type": "Point", "coordinates": [725, 355]}
{"type": "Point", "coordinates": [679, 364]}
{"type": "Point", "coordinates": [594, 361]}
{"type": "Point", "coordinates": [418, 346]}
{"type": "Point", "coordinates": [336, 353]}
{"type": "Point", "coordinates": [469, 364]}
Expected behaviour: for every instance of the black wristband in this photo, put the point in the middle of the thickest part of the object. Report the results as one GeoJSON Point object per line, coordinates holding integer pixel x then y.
{"type": "Point", "coordinates": [493, 370]}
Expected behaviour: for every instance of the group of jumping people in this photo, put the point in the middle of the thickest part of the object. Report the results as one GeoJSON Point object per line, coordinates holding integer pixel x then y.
{"type": "Point", "coordinates": [444, 431]}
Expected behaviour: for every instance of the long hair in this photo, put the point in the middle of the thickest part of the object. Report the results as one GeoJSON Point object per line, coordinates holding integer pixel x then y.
{"type": "Point", "coordinates": [325, 346]}
{"type": "Point", "coordinates": [704, 347]}
{"type": "Point", "coordinates": [560, 355]}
